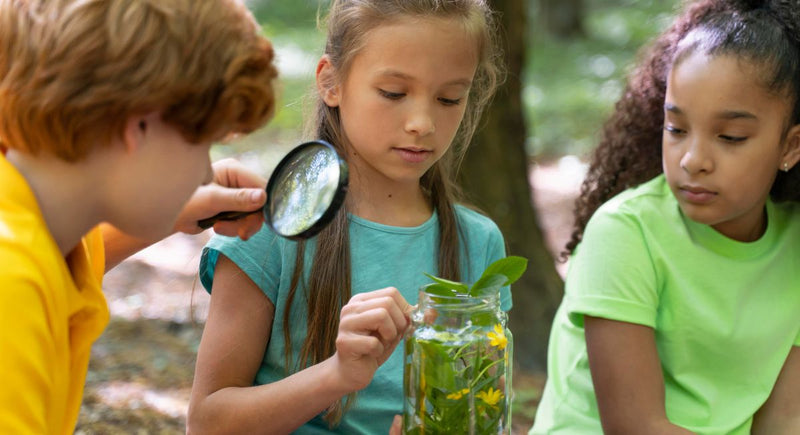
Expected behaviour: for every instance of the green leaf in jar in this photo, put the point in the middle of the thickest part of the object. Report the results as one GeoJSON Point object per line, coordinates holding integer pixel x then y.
{"type": "Point", "coordinates": [442, 284]}
{"type": "Point", "coordinates": [511, 267]}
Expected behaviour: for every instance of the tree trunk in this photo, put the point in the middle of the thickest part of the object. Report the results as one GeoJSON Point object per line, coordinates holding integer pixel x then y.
{"type": "Point", "coordinates": [495, 178]}
{"type": "Point", "coordinates": [562, 18]}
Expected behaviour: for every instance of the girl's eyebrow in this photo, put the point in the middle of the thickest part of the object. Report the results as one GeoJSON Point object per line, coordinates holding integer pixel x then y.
{"type": "Point", "coordinates": [401, 75]}
{"type": "Point", "coordinates": [669, 107]}
{"type": "Point", "coordinates": [736, 114]}
{"type": "Point", "coordinates": [725, 114]}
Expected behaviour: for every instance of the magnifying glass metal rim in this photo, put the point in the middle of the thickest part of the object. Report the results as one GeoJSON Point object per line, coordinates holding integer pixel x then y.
{"type": "Point", "coordinates": [333, 207]}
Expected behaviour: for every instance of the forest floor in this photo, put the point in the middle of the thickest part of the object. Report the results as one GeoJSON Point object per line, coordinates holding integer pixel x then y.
{"type": "Point", "coordinates": [140, 374]}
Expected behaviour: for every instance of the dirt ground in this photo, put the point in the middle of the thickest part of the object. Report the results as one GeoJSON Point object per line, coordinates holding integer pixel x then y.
{"type": "Point", "coordinates": [141, 369]}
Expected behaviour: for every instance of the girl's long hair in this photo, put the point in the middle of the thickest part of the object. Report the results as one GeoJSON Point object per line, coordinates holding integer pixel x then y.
{"type": "Point", "coordinates": [329, 286]}
{"type": "Point", "coordinates": [629, 153]}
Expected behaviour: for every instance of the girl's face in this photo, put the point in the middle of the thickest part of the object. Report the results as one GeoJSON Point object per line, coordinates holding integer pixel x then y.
{"type": "Point", "coordinates": [724, 141]}
{"type": "Point", "coordinates": [402, 99]}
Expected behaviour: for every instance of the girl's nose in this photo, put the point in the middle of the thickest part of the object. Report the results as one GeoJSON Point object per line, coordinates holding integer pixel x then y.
{"type": "Point", "coordinates": [697, 159]}
{"type": "Point", "coordinates": [420, 121]}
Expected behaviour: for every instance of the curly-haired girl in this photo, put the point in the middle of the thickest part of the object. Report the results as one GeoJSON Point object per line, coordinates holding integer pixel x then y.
{"type": "Point", "coordinates": [680, 310]}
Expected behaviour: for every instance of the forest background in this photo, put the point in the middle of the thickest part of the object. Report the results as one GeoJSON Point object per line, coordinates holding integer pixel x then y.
{"type": "Point", "coordinates": [567, 62]}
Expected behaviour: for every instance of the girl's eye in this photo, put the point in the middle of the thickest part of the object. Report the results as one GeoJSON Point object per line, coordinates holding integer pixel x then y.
{"type": "Point", "coordinates": [391, 95]}
{"type": "Point", "coordinates": [674, 130]}
{"type": "Point", "coordinates": [450, 101]}
{"type": "Point", "coordinates": [733, 139]}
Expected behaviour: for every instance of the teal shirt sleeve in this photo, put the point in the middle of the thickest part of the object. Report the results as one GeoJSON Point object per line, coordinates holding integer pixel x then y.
{"type": "Point", "coordinates": [261, 258]}
{"type": "Point", "coordinates": [612, 274]}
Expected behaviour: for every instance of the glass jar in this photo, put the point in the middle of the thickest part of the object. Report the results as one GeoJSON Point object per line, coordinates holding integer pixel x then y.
{"type": "Point", "coordinates": [457, 370]}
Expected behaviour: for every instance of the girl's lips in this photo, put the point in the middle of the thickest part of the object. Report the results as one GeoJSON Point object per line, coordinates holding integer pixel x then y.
{"type": "Point", "coordinates": [697, 195]}
{"type": "Point", "coordinates": [413, 155]}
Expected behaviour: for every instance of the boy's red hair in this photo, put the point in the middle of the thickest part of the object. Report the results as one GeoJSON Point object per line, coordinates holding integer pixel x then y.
{"type": "Point", "coordinates": [73, 71]}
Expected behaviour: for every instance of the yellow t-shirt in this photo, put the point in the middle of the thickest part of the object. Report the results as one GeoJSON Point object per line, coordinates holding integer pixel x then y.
{"type": "Point", "coordinates": [51, 311]}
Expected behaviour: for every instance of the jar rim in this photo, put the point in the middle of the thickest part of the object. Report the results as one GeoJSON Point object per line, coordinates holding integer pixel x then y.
{"type": "Point", "coordinates": [458, 299]}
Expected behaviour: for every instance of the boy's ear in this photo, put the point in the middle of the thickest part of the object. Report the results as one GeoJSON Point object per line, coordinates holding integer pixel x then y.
{"type": "Point", "coordinates": [133, 132]}
{"type": "Point", "coordinates": [327, 86]}
{"type": "Point", "coordinates": [791, 152]}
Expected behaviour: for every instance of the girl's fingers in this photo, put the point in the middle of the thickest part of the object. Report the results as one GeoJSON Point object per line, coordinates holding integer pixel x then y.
{"type": "Point", "coordinates": [401, 302]}
{"type": "Point", "coordinates": [397, 426]}
{"type": "Point", "coordinates": [356, 346]}
{"type": "Point", "coordinates": [386, 292]}
{"type": "Point", "coordinates": [384, 303]}
{"type": "Point", "coordinates": [376, 320]}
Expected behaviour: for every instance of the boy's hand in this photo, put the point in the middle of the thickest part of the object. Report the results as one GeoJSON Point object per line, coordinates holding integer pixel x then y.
{"type": "Point", "coordinates": [234, 188]}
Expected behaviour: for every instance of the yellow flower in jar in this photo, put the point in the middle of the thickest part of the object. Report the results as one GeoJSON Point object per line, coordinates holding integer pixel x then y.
{"type": "Point", "coordinates": [498, 337]}
{"type": "Point", "coordinates": [458, 394]}
{"type": "Point", "coordinates": [490, 396]}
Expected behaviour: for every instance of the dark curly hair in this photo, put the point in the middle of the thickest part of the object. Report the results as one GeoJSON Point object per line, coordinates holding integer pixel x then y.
{"type": "Point", "coordinates": [766, 32]}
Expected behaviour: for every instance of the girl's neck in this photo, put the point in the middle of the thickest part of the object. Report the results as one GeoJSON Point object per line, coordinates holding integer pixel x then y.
{"type": "Point", "coordinates": [745, 231]}
{"type": "Point", "coordinates": [67, 195]}
{"type": "Point", "coordinates": [389, 203]}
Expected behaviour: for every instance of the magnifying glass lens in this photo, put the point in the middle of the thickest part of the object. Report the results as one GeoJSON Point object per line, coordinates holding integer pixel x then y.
{"type": "Point", "coordinates": [305, 191]}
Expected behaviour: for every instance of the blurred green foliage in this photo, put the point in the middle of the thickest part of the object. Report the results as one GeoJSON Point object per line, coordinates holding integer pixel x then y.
{"type": "Point", "coordinates": [570, 85]}
{"type": "Point", "coordinates": [292, 28]}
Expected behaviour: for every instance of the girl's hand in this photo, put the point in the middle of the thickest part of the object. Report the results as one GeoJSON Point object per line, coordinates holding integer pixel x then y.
{"type": "Point", "coordinates": [397, 426]}
{"type": "Point", "coordinates": [371, 326]}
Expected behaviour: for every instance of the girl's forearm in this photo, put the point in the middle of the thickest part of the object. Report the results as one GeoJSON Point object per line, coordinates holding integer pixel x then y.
{"type": "Point", "coordinates": [780, 414]}
{"type": "Point", "coordinates": [654, 427]}
{"type": "Point", "coordinates": [276, 408]}
{"type": "Point", "coordinates": [667, 428]}
{"type": "Point", "coordinates": [776, 425]}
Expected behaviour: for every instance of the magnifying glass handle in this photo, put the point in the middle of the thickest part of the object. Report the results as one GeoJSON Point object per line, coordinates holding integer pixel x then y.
{"type": "Point", "coordinates": [224, 216]}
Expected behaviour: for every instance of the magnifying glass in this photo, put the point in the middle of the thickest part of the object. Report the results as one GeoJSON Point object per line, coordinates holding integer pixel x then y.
{"type": "Point", "coordinates": [303, 194]}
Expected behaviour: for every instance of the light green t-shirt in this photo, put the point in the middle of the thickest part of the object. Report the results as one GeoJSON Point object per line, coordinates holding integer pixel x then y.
{"type": "Point", "coordinates": [382, 256]}
{"type": "Point", "coordinates": [725, 313]}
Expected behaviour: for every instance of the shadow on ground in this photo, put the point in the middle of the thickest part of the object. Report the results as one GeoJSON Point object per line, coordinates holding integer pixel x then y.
{"type": "Point", "coordinates": [139, 378]}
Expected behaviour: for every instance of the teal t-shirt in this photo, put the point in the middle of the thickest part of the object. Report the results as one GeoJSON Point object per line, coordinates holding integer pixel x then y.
{"type": "Point", "coordinates": [725, 313]}
{"type": "Point", "coordinates": [382, 256]}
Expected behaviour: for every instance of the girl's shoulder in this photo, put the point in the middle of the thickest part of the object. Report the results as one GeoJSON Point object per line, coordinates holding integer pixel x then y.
{"type": "Point", "coordinates": [647, 210]}
{"type": "Point", "coordinates": [649, 199]}
{"type": "Point", "coordinates": [470, 217]}
{"type": "Point", "coordinates": [264, 252]}
{"type": "Point", "coordinates": [264, 239]}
